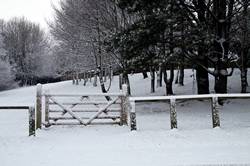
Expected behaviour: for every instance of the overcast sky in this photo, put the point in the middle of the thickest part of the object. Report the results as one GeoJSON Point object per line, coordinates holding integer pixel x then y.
{"type": "Point", "coordinates": [35, 10]}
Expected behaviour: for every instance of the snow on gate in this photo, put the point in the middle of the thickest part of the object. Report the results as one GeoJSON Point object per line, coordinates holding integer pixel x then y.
{"type": "Point", "coordinates": [81, 109]}
{"type": "Point", "coordinates": [89, 109]}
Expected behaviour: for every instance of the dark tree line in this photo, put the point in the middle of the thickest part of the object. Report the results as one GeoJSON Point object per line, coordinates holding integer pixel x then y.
{"type": "Point", "coordinates": [160, 36]}
{"type": "Point", "coordinates": [205, 33]}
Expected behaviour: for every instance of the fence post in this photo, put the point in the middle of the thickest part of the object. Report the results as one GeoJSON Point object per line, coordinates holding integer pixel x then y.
{"type": "Point", "coordinates": [173, 114]}
{"type": "Point", "coordinates": [215, 112]}
{"type": "Point", "coordinates": [39, 107]}
{"type": "Point", "coordinates": [133, 117]}
{"type": "Point", "coordinates": [47, 111]}
{"type": "Point", "coordinates": [32, 122]}
{"type": "Point", "coordinates": [124, 105]}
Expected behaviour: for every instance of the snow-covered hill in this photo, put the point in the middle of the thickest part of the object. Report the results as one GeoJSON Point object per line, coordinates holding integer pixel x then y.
{"type": "Point", "coordinates": [195, 142]}
{"type": "Point", "coordinates": [139, 86]}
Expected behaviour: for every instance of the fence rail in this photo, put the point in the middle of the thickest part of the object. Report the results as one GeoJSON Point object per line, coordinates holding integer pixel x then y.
{"type": "Point", "coordinates": [125, 111]}
{"type": "Point", "coordinates": [14, 107]}
{"type": "Point", "coordinates": [83, 95]}
{"type": "Point", "coordinates": [126, 108]}
{"type": "Point", "coordinates": [32, 124]}
{"type": "Point", "coordinates": [189, 97]}
{"type": "Point", "coordinates": [214, 98]}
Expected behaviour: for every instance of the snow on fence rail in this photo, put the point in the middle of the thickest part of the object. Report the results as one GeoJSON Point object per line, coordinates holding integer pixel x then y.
{"type": "Point", "coordinates": [32, 124]}
{"type": "Point", "coordinates": [126, 109]}
{"type": "Point", "coordinates": [214, 98]}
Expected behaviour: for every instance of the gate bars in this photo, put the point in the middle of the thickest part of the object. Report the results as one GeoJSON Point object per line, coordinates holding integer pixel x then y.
{"type": "Point", "coordinates": [119, 99]}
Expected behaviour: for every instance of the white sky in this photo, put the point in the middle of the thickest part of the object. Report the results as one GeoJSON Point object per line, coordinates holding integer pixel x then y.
{"type": "Point", "coordinates": [37, 11]}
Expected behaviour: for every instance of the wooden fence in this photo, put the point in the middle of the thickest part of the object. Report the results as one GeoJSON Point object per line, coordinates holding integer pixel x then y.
{"type": "Point", "coordinates": [121, 109]}
{"type": "Point", "coordinates": [214, 98]}
{"type": "Point", "coordinates": [32, 124]}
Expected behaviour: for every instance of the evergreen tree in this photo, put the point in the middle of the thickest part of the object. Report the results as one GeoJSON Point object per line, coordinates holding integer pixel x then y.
{"type": "Point", "coordinates": [153, 38]}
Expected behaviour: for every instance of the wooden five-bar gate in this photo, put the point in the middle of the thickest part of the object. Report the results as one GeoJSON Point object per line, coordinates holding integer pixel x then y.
{"type": "Point", "coordinates": [82, 109]}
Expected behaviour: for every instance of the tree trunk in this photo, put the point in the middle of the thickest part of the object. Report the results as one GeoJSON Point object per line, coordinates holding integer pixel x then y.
{"type": "Point", "coordinates": [110, 73]}
{"type": "Point", "coordinates": [105, 74]}
{"type": "Point", "coordinates": [221, 45]}
{"type": "Point", "coordinates": [182, 59]}
{"type": "Point", "coordinates": [120, 81]}
{"type": "Point", "coordinates": [126, 80]}
{"type": "Point", "coordinates": [168, 82]}
{"type": "Point", "coordinates": [244, 48]}
{"type": "Point", "coordinates": [85, 78]}
{"type": "Point", "coordinates": [220, 84]}
{"type": "Point", "coordinates": [201, 73]}
{"type": "Point", "coordinates": [159, 75]}
{"type": "Point", "coordinates": [73, 79]}
{"type": "Point", "coordinates": [144, 73]}
{"type": "Point", "coordinates": [95, 79]}
{"type": "Point", "coordinates": [152, 74]}
{"type": "Point", "coordinates": [177, 76]}
{"type": "Point", "coordinates": [102, 84]}
{"type": "Point", "coordinates": [181, 75]}
{"type": "Point", "coordinates": [244, 83]}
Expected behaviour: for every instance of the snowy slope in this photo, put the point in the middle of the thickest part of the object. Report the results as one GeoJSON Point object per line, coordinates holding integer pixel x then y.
{"type": "Point", "coordinates": [195, 142]}
{"type": "Point", "coordinates": [139, 87]}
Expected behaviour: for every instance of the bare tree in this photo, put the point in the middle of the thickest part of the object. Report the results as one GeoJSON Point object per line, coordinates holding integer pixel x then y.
{"type": "Point", "coordinates": [83, 27]}
{"type": "Point", "coordinates": [7, 79]}
{"type": "Point", "coordinates": [25, 43]}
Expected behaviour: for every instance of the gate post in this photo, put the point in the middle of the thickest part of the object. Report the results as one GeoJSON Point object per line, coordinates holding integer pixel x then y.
{"type": "Point", "coordinates": [32, 122]}
{"type": "Point", "coordinates": [124, 105]}
{"type": "Point", "coordinates": [39, 107]}
{"type": "Point", "coordinates": [173, 114]}
{"type": "Point", "coordinates": [133, 117]}
{"type": "Point", "coordinates": [215, 112]}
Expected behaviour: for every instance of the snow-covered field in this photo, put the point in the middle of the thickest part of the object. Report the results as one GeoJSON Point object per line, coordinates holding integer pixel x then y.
{"type": "Point", "coordinates": [154, 144]}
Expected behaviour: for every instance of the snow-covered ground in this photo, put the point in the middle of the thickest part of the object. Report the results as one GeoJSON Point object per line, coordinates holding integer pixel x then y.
{"type": "Point", "coordinates": [194, 143]}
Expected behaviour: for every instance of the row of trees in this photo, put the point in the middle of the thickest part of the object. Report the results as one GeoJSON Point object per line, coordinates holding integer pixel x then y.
{"type": "Point", "coordinates": [80, 29]}
{"type": "Point", "coordinates": [25, 48]}
{"type": "Point", "coordinates": [210, 36]}
{"type": "Point", "coordinates": [205, 33]}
